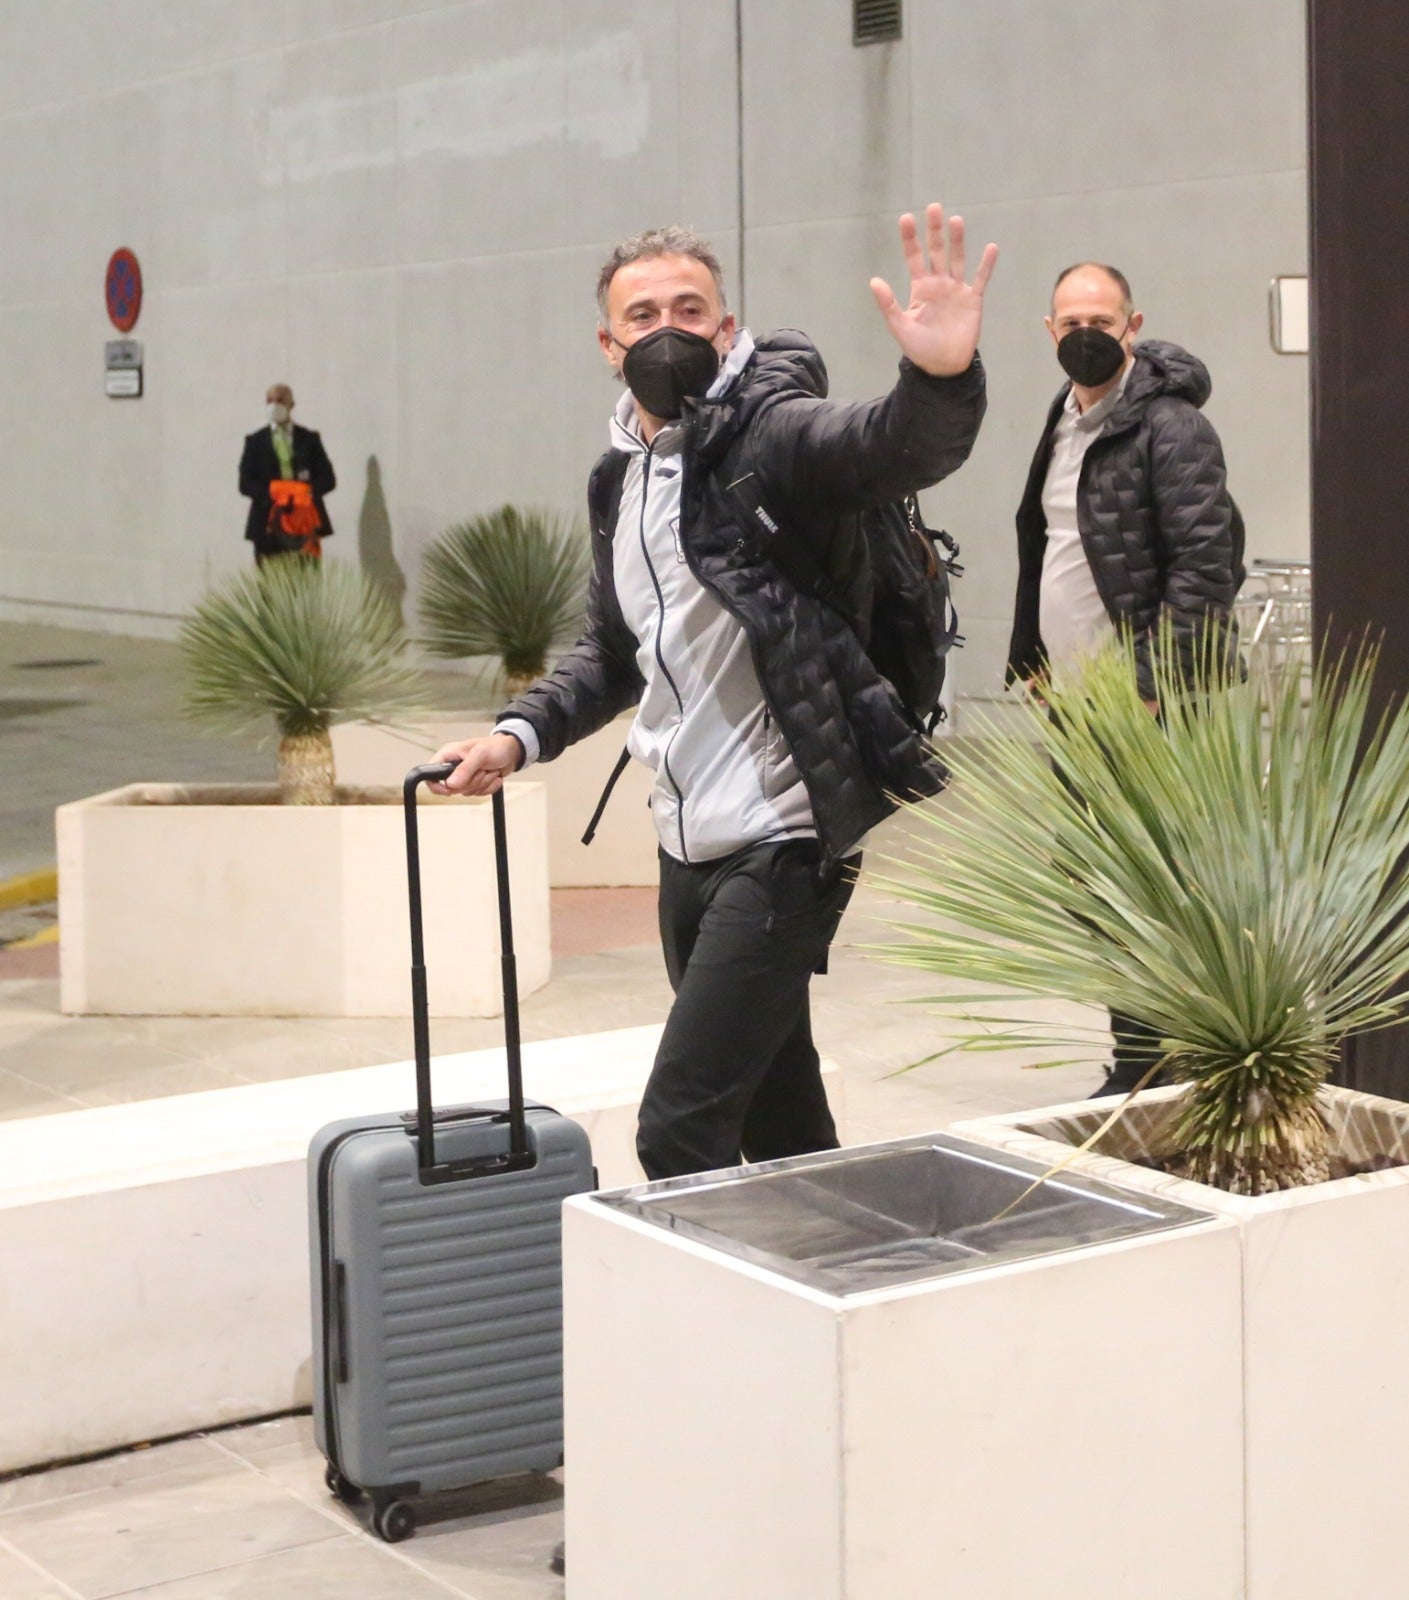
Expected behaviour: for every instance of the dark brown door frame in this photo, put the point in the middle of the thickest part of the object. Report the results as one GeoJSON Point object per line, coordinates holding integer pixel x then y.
{"type": "Point", "coordinates": [1357, 68]}
{"type": "Point", "coordinates": [1358, 146]}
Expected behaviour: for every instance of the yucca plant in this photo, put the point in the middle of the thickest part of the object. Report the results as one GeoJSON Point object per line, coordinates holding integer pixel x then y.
{"type": "Point", "coordinates": [511, 584]}
{"type": "Point", "coordinates": [1231, 875]}
{"type": "Point", "coordinates": [309, 643]}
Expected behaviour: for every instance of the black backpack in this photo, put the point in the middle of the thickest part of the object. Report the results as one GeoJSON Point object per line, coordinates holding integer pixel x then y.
{"type": "Point", "coordinates": [912, 624]}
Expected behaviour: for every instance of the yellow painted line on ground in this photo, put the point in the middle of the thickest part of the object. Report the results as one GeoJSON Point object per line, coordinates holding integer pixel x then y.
{"type": "Point", "coordinates": [44, 936]}
{"type": "Point", "coordinates": [30, 888]}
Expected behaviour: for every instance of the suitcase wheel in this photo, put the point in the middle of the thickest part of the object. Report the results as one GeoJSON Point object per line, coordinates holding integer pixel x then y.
{"type": "Point", "coordinates": [394, 1521]}
{"type": "Point", "coordinates": [341, 1488]}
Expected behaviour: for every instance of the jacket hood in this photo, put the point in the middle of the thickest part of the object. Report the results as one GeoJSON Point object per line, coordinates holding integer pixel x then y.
{"type": "Point", "coordinates": [785, 362]}
{"type": "Point", "coordinates": [1162, 368]}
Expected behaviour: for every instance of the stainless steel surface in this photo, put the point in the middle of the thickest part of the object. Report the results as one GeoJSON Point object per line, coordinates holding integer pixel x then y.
{"type": "Point", "coordinates": [850, 1221]}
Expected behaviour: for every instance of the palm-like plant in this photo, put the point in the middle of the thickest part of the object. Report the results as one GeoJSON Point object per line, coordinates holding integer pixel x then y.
{"type": "Point", "coordinates": [511, 584]}
{"type": "Point", "coordinates": [309, 643]}
{"type": "Point", "coordinates": [1233, 876]}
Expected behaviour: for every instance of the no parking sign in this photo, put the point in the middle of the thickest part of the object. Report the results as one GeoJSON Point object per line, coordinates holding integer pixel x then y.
{"type": "Point", "coordinates": [122, 291]}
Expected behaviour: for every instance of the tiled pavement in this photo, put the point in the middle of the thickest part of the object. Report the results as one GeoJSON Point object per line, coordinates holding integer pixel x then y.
{"type": "Point", "coordinates": [243, 1512]}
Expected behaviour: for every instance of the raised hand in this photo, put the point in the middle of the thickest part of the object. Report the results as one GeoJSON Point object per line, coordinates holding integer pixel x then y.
{"type": "Point", "coordinates": [939, 328]}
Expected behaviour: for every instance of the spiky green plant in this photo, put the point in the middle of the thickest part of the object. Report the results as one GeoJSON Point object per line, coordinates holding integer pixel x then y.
{"type": "Point", "coordinates": [308, 643]}
{"type": "Point", "coordinates": [1233, 878]}
{"type": "Point", "coordinates": [511, 584]}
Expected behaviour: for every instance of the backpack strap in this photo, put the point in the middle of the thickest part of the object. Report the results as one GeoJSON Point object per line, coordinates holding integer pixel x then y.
{"type": "Point", "coordinates": [792, 553]}
{"type": "Point", "coordinates": [604, 488]}
{"type": "Point", "coordinates": [617, 770]}
{"type": "Point", "coordinates": [952, 565]}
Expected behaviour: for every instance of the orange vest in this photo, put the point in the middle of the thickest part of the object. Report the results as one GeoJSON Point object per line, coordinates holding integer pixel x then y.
{"type": "Point", "coordinates": [293, 514]}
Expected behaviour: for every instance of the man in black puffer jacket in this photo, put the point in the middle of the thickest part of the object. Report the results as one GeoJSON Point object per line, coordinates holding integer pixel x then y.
{"type": "Point", "coordinates": [1126, 516]}
{"type": "Point", "coordinates": [776, 744]}
{"type": "Point", "coordinates": [1126, 519]}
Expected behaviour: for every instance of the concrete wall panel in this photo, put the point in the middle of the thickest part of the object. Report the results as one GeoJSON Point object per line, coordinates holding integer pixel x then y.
{"type": "Point", "coordinates": [400, 207]}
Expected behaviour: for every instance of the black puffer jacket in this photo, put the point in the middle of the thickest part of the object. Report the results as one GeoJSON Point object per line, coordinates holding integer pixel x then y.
{"type": "Point", "coordinates": [1160, 529]}
{"type": "Point", "coordinates": [821, 462]}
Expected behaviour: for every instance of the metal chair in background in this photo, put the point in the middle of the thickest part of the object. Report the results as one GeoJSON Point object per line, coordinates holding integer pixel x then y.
{"type": "Point", "coordinates": [1274, 616]}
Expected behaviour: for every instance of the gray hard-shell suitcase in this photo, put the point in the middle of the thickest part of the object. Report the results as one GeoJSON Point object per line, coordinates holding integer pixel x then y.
{"type": "Point", "coordinates": [437, 1271]}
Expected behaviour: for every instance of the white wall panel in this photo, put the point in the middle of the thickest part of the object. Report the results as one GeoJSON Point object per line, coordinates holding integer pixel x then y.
{"type": "Point", "coordinates": [335, 133]}
{"type": "Point", "coordinates": [703, 128]}
{"type": "Point", "coordinates": [481, 138]}
{"type": "Point", "coordinates": [341, 343]}
{"type": "Point", "coordinates": [400, 207]}
{"type": "Point", "coordinates": [220, 348]}
{"type": "Point", "coordinates": [48, 53]}
{"type": "Point", "coordinates": [161, 38]}
{"type": "Point", "coordinates": [322, 19]}
{"type": "Point", "coordinates": [221, 174]}
{"type": "Point", "coordinates": [42, 195]}
{"type": "Point", "coordinates": [826, 126]}
{"type": "Point", "coordinates": [1023, 98]}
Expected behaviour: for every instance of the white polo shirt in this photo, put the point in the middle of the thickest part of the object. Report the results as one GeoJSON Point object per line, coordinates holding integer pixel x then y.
{"type": "Point", "coordinates": [1072, 617]}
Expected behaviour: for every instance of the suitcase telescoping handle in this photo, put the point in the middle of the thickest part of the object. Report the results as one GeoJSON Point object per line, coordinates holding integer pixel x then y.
{"type": "Point", "coordinates": [518, 1155]}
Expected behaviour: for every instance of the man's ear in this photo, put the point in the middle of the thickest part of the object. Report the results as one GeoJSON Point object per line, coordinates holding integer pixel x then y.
{"type": "Point", "coordinates": [1137, 321]}
{"type": "Point", "coordinates": [728, 328]}
{"type": "Point", "coordinates": [1047, 323]}
{"type": "Point", "coordinates": [609, 349]}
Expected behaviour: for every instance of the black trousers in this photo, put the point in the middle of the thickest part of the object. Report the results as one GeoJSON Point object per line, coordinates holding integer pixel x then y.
{"type": "Point", "coordinates": [737, 1075]}
{"type": "Point", "coordinates": [1136, 1044]}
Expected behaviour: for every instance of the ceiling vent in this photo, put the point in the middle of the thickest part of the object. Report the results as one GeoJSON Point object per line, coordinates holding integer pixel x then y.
{"type": "Point", "coordinates": [875, 21]}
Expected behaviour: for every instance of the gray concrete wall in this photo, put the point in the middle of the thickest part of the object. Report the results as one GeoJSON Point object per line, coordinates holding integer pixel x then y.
{"type": "Point", "coordinates": [400, 206]}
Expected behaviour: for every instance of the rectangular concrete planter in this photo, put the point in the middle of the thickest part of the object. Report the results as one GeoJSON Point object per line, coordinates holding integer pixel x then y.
{"type": "Point", "coordinates": [219, 901]}
{"type": "Point", "coordinates": [624, 849]}
{"type": "Point", "coordinates": [1325, 1274]}
{"type": "Point", "coordinates": [1067, 1426]}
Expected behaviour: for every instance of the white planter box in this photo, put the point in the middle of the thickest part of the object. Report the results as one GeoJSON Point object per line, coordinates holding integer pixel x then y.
{"type": "Point", "coordinates": [158, 1252]}
{"type": "Point", "coordinates": [1067, 1426]}
{"type": "Point", "coordinates": [1325, 1303]}
{"type": "Point", "coordinates": [219, 901]}
{"type": "Point", "coordinates": [624, 849]}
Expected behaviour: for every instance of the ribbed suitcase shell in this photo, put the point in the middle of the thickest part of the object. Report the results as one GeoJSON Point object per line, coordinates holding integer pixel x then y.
{"type": "Point", "coordinates": [436, 1244]}
{"type": "Point", "coordinates": [438, 1307]}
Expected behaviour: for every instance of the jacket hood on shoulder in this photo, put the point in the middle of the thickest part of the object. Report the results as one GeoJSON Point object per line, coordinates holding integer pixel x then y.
{"type": "Point", "coordinates": [787, 359]}
{"type": "Point", "coordinates": [785, 362]}
{"type": "Point", "coordinates": [1162, 368]}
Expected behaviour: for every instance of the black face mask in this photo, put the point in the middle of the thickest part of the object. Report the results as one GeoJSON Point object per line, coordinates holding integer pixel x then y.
{"type": "Point", "coordinates": [668, 366]}
{"type": "Point", "coordinates": [1090, 356]}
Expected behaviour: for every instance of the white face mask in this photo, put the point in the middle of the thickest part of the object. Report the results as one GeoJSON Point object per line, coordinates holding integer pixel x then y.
{"type": "Point", "coordinates": [278, 413]}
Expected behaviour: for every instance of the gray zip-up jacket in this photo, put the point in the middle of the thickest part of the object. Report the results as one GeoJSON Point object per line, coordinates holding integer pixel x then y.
{"type": "Point", "coordinates": [724, 777]}
{"type": "Point", "coordinates": [759, 708]}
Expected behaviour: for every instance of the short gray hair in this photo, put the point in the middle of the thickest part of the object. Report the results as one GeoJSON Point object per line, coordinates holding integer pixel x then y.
{"type": "Point", "coordinates": [673, 240]}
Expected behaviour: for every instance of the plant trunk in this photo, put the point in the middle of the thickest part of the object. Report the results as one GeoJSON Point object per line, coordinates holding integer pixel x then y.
{"type": "Point", "coordinates": [515, 683]}
{"type": "Point", "coordinates": [1282, 1147]}
{"type": "Point", "coordinates": [306, 769]}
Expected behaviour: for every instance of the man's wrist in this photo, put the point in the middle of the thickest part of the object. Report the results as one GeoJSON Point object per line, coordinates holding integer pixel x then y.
{"type": "Point", "coordinates": [967, 375]}
{"type": "Point", "coordinates": [520, 729]}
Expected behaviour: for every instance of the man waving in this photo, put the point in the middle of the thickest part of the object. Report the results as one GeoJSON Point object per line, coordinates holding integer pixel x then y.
{"type": "Point", "coordinates": [775, 743]}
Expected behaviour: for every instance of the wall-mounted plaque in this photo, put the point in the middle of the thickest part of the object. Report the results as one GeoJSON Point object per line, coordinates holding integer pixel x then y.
{"type": "Point", "coordinates": [1289, 306]}
{"type": "Point", "coordinates": [122, 374]}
